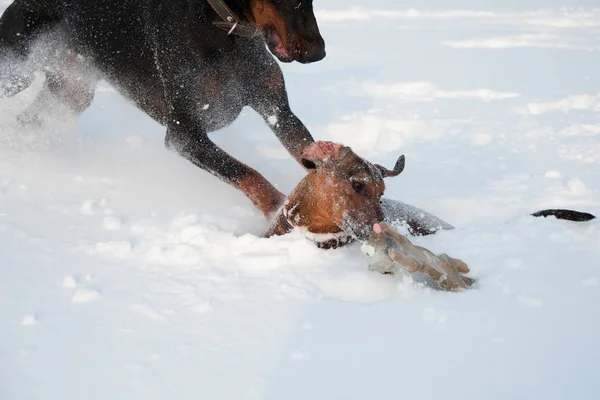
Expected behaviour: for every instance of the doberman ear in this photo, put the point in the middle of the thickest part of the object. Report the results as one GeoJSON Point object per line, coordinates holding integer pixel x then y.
{"type": "Point", "coordinates": [318, 154]}
{"type": "Point", "coordinates": [398, 168]}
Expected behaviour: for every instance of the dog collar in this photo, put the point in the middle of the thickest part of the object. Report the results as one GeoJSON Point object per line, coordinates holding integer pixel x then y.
{"type": "Point", "coordinates": [231, 22]}
{"type": "Point", "coordinates": [327, 240]}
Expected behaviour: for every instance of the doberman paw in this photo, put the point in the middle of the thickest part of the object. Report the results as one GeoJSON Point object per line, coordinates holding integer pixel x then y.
{"type": "Point", "coordinates": [321, 151]}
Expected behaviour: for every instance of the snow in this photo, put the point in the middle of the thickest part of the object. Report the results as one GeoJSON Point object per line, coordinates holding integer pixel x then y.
{"type": "Point", "coordinates": [29, 320]}
{"type": "Point", "coordinates": [427, 91]}
{"type": "Point", "coordinates": [127, 273]}
{"type": "Point", "coordinates": [573, 102]}
{"type": "Point", "coordinates": [85, 296]}
{"type": "Point", "coordinates": [69, 282]}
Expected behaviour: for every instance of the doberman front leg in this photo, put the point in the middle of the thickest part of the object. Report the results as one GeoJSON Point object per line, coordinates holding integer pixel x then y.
{"type": "Point", "coordinates": [187, 132]}
{"type": "Point", "coordinates": [269, 99]}
{"type": "Point", "coordinates": [290, 131]}
{"type": "Point", "coordinates": [192, 142]}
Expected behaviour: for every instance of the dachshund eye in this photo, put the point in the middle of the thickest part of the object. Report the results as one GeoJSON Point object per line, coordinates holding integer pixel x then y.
{"type": "Point", "coordinates": [358, 186]}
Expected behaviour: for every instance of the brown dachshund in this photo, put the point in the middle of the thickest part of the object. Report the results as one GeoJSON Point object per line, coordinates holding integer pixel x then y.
{"type": "Point", "coordinates": [339, 200]}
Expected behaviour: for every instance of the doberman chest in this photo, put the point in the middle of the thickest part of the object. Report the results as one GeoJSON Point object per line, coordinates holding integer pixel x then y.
{"type": "Point", "coordinates": [213, 101]}
{"type": "Point", "coordinates": [220, 99]}
{"type": "Point", "coordinates": [217, 116]}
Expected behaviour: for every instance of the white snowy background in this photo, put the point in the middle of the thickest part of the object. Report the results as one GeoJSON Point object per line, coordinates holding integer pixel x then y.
{"type": "Point", "coordinates": [127, 273]}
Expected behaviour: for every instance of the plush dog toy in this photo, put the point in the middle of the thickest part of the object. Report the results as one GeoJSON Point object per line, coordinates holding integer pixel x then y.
{"type": "Point", "coordinates": [389, 252]}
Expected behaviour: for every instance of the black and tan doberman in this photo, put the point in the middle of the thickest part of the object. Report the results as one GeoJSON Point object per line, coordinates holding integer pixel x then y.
{"type": "Point", "coordinates": [192, 65]}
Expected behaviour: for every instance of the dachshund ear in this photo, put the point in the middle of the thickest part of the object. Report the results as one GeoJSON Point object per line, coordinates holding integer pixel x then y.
{"type": "Point", "coordinates": [318, 154]}
{"type": "Point", "coordinates": [398, 168]}
{"type": "Point", "coordinates": [307, 163]}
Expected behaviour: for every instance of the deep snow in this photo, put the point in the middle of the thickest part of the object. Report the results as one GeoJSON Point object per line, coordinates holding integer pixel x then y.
{"type": "Point", "coordinates": [126, 273]}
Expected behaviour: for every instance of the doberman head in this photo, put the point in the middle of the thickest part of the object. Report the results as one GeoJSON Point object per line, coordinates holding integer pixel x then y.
{"type": "Point", "coordinates": [339, 200]}
{"type": "Point", "coordinates": [290, 29]}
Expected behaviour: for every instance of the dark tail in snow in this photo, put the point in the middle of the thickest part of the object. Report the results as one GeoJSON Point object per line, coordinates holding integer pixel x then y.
{"type": "Point", "coordinates": [569, 215]}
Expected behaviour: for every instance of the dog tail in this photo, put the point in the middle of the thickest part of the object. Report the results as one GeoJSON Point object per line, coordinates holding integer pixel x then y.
{"type": "Point", "coordinates": [568, 215]}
